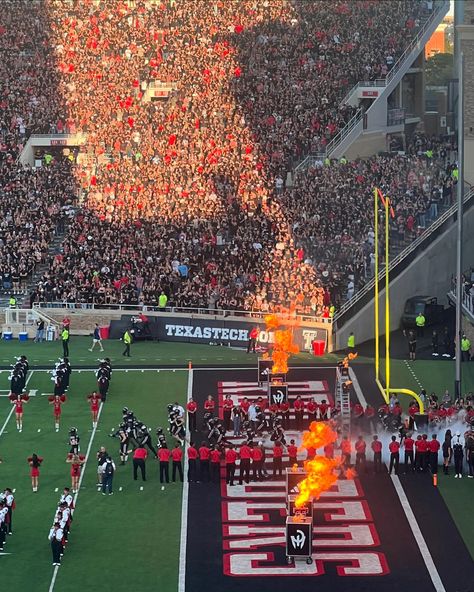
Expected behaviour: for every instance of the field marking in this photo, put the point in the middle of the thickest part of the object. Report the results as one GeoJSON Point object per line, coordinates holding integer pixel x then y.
{"type": "Point", "coordinates": [76, 495]}
{"type": "Point", "coordinates": [2, 429]}
{"type": "Point", "coordinates": [357, 389]}
{"type": "Point", "coordinates": [418, 536]}
{"type": "Point", "coordinates": [410, 516]}
{"type": "Point", "coordinates": [410, 369]}
{"type": "Point", "coordinates": [185, 496]}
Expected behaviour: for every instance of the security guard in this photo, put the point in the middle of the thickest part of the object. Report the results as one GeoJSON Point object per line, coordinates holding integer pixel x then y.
{"type": "Point", "coordinates": [465, 349]}
{"type": "Point", "coordinates": [127, 339]}
{"type": "Point", "coordinates": [162, 300]}
{"type": "Point", "coordinates": [332, 311]}
{"type": "Point", "coordinates": [65, 340]}
{"type": "Point", "coordinates": [12, 301]}
{"type": "Point", "coordinates": [420, 324]}
{"type": "Point", "coordinates": [351, 341]}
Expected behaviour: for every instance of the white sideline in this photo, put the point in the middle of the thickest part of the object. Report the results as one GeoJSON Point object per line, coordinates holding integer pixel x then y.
{"type": "Point", "coordinates": [184, 503]}
{"type": "Point", "coordinates": [415, 528]}
{"type": "Point", "coordinates": [83, 470]}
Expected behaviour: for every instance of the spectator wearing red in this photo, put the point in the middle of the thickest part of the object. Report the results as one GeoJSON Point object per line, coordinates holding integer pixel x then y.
{"type": "Point", "coordinates": [245, 454]}
{"type": "Point", "coordinates": [433, 447]}
{"type": "Point", "coordinates": [257, 462]}
{"type": "Point", "coordinates": [177, 458]}
{"type": "Point", "coordinates": [230, 460]}
{"type": "Point", "coordinates": [292, 454]}
{"type": "Point", "coordinates": [191, 408]}
{"type": "Point", "coordinates": [394, 448]}
{"type": "Point", "coordinates": [164, 457]}
{"type": "Point", "coordinates": [376, 446]}
{"type": "Point", "coordinates": [346, 451]}
{"type": "Point", "coordinates": [409, 444]}
{"type": "Point", "coordinates": [192, 463]}
{"type": "Point", "coordinates": [277, 459]}
{"type": "Point", "coordinates": [204, 456]}
{"type": "Point", "coordinates": [299, 408]}
{"type": "Point", "coordinates": [227, 406]}
{"type": "Point", "coordinates": [215, 464]}
{"type": "Point", "coordinates": [360, 448]}
{"type": "Point", "coordinates": [311, 408]}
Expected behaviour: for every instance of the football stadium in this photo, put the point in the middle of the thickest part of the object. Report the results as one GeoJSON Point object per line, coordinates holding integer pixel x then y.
{"type": "Point", "coordinates": [237, 295]}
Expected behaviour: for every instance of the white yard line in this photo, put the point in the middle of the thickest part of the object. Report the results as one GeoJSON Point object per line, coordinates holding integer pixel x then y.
{"type": "Point", "coordinates": [415, 529]}
{"type": "Point", "coordinates": [2, 429]}
{"type": "Point", "coordinates": [76, 496]}
{"type": "Point", "coordinates": [412, 372]}
{"type": "Point", "coordinates": [418, 536]}
{"type": "Point", "coordinates": [184, 502]}
{"type": "Point", "coordinates": [358, 390]}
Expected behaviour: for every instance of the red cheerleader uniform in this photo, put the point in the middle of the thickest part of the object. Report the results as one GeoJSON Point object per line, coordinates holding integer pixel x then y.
{"type": "Point", "coordinates": [35, 470]}
{"type": "Point", "coordinates": [19, 407]}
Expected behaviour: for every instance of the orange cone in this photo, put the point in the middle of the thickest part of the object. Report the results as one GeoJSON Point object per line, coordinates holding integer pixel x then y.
{"type": "Point", "coordinates": [435, 480]}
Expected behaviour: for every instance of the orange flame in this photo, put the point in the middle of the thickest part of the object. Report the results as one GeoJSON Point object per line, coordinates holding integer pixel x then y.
{"type": "Point", "coordinates": [283, 344]}
{"type": "Point", "coordinates": [321, 470]}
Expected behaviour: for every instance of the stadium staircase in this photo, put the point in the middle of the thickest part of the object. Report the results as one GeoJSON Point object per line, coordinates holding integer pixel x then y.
{"type": "Point", "coordinates": [375, 117]}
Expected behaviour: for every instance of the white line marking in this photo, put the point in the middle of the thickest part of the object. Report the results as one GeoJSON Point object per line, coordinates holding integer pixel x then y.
{"type": "Point", "coordinates": [413, 374]}
{"type": "Point", "coordinates": [417, 534]}
{"type": "Point", "coordinates": [358, 390]}
{"type": "Point", "coordinates": [184, 502]}
{"type": "Point", "coordinates": [55, 572]}
{"type": "Point", "coordinates": [2, 430]}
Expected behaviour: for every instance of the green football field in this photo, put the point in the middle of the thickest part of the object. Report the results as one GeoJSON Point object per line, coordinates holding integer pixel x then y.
{"type": "Point", "coordinates": [134, 531]}
{"type": "Point", "coordinates": [109, 533]}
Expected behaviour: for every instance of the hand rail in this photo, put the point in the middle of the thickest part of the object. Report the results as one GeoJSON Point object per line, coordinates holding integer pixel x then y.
{"type": "Point", "coordinates": [400, 257]}
{"type": "Point", "coordinates": [217, 312]}
{"type": "Point", "coordinates": [345, 131]}
{"type": "Point", "coordinates": [381, 82]}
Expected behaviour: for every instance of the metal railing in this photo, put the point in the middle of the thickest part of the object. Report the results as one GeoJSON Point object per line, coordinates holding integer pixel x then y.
{"type": "Point", "coordinates": [363, 296]}
{"type": "Point", "coordinates": [382, 82]}
{"type": "Point", "coordinates": [344, 132]}
{"type": "Point", "coordinates": [216, 312]}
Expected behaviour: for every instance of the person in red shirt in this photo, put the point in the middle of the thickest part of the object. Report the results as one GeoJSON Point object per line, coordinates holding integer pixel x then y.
{"type": "Point", "coordinates": [394, 448]}
{"type": "Point", "coordinates": [204, 456]}
{"type": "Point", "coordinates": [369, 415]}
{"type": "Point", "coordinates": [299, 412]}
{"type": "Point", "coordinates": [192, 463]}
{"type": "Point", "coordinates": [322, 412]}
{"type": "Point", "coordinates": [311, 408]}
{"type": "Point", "coordinates": [191, 408]}
{"type": "Point", "coordinates": [18, 401]}
{"type": "Point", "coordinates": [164, 458]}
{"type": "Point", "coordinates": [277, 459]}
{"type": "Point", "coordinates": [346, 451]}
{"type": "Point", "coordinates": [230, 458]}
{"type": "Point", "coordinates": [360, 448]}
{"type": "Point", "coordinates": [227, 410]}
{"type": "Point", "coordinates": [292, 454]}
{"type": "Point", "coordinates": [215, 464]}
{"type": "Point", "coordinates": [244, 405]}
{"type": "Point", "coordinates": [358, 414]}
{"type": "Point", "coordinates": [253, 336]}
{"type": "Point", "coordinates": [433, 448]}
{"type": "Point", "coordinates": [409, 444]}
{"type": "Point", "coordinates": [377, 450]}
{"type": "Point", "coordinates": [139, 457]}
{"type": "Point", "coordinates": [329, 450]}
{"type": "Point", "coordinates": [245, 454]}
{"type": "Point", "coordinates": [257, 462]}
{"type": "Point", "coordinates": [177, 457]}
{"type": "Point", "coordinates": [210, 405]}
{"type": "Point", "coordinates": [285, 415]}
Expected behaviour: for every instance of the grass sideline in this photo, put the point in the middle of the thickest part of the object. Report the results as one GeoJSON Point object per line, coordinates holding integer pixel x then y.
{"type": "Point", "coordinates": [116, 532]}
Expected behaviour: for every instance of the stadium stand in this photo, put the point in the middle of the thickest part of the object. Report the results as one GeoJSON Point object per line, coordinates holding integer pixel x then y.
{"type": "Point", "coordinates": [187, 193]}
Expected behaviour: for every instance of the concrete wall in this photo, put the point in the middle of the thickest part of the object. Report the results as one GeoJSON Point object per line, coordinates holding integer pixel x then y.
{"type": "Point", "coordinates": [367, 145]}
{"type": "Point", "coordinates": [429, 274]}
{"type": "Point", "coordinates": [465, 37]}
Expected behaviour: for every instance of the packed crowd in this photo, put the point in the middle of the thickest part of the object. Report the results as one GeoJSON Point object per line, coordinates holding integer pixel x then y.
{"type": "Point", "coordinates": [187, 195]}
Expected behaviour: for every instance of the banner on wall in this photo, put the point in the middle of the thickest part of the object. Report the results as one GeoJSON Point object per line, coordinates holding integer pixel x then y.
{"type": "Point", "coordinates": [233, 333]}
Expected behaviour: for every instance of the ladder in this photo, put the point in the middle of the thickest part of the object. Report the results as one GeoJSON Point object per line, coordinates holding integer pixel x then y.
{"type": "Point", "coordinates": [343, 398]}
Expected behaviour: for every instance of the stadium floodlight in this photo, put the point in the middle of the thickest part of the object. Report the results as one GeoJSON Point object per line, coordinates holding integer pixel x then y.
{"type": "Point", "coordinates": [385, 391]}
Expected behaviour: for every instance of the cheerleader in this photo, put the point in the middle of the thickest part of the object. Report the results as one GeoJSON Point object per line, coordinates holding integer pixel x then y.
{"type": "Point", "coordinates": [18, 401]}
{"type": "Point", "coordinates": [76, 461]}
{"type": "Point", "coordinates": [56, 401]}
{"type": "Point", "coordinates": [94, 400]}
{"type": "Point", "coordinates": [35, 462]}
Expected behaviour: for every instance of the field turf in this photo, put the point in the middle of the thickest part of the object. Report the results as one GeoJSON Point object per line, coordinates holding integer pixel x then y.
{"type": "Point", "coordinates": [110, 535]}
